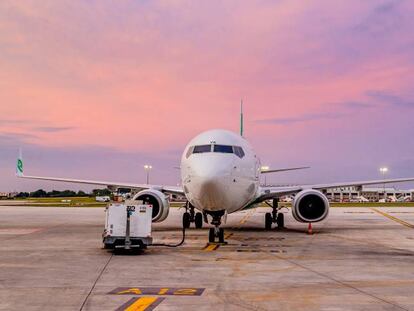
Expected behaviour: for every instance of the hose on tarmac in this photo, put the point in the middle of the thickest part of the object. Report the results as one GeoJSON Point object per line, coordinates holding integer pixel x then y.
{"type": "Point", "coordinates": [172, 245]}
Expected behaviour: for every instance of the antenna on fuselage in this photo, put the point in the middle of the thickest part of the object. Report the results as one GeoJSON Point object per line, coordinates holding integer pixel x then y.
{"type": "Point", "coordinates": [241, 117]}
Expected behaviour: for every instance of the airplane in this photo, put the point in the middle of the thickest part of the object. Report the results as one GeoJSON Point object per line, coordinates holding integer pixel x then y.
{"type": "Point", "coordinates": [220, 175]}
{"type": "Point", "coordinates": [359, 199]}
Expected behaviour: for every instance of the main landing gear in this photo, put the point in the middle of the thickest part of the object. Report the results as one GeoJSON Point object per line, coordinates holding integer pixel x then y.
{"type": "Point", "coordinates": [190, 216]}
{"type": "Point", "coordinates": [216, 232]}
{"type": "Point", "coordinates": [274, 216]}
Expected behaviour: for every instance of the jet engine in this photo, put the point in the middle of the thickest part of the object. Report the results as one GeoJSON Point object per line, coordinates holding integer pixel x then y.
{"type": "Point", "coordinates": [310, 206]}
{"type": "Point", "coordinates": [159, 202]}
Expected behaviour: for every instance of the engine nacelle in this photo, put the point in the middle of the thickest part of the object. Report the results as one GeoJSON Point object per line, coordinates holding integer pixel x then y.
{"type": "Point", "coordinates": [310, 206]}
{"type": "Point", "coordinates": [159, 202]}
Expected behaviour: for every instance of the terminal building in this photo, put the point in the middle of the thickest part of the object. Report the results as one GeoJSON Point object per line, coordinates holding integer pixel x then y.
{"type": "Point", "coordinates": [369, 194]}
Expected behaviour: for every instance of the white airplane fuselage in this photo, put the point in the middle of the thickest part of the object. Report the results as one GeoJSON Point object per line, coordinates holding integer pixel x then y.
{"type": "Point", "coordinates": [218, 179]}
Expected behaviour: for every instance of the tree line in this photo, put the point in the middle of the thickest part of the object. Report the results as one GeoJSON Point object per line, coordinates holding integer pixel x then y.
{"type": "Point", "coordinates": [65, 193]}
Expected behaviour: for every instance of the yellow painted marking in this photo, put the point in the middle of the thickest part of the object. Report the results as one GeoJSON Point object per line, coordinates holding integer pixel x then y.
{"type": "Point", "coordinates": [141, 304]}
{"type": "Point", "coordinates": [185, 291]}
{"type": "Point", "coordinates": [211, 247]}
{"type": "Point", "coordinates": [227, 235]}
{"type": "Point", "coordinates": [244, 219]}
{"type": "Point", "coordinates": [135, 291]}
{"type": "Point", "coordinates": [162, 291]}
{"type": "Point", "coordinates": [402, 222]}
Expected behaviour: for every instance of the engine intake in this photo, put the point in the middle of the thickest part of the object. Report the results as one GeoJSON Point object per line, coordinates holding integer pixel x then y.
{"type": "Point", "coordinates": [159, 202]}
{"type": "Point", "coordinates": [310, 206]}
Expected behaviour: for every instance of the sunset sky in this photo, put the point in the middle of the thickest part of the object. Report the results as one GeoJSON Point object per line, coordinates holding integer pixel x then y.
{"type": "Point", "coordinates": [97, 89]}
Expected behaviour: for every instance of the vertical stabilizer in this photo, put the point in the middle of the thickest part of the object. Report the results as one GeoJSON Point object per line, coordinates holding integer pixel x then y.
{"type": "Point", "coordinates": [241, 118]}
{"type": "Point", "coordinates": [19, 164]}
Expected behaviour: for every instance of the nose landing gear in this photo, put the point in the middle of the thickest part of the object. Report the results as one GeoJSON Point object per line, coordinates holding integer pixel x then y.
{"type": "Point", "coordinates": [216, 232]}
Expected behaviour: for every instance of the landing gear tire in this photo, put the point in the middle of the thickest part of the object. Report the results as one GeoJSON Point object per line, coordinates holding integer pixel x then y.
{"type": "Point", "coordinates": [214, 233]}
{"type": "Point", "coordinates": [221, 235]}
{"type": "Point", "coordinates": [280, 220]}
{"type": "Point", "coordinates": [211, 235]}
{"type": "Point", "coordinates": [186, 220]}
{"type": "Point", "coordinates": [198, 220]}
{"type": "Point", "coordinates": [268, 221]}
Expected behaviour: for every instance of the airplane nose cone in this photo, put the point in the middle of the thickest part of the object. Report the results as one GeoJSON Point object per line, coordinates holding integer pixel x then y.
{"type": "Point", "coordinates": [210, 180]}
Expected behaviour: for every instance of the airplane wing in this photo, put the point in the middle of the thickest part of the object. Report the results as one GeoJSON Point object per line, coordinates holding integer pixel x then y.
{"type": "Point", "coordinates": [268, 193]}
{"type": "Point", "coordinates": [110, 184]}
{"type": "Point", "coordinates": [267, 170]}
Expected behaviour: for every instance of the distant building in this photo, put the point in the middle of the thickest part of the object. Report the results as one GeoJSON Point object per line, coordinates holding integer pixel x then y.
{"type": "Point", "coordinates": [8, 195]}
{"type": "Point", "coordinates": [372, 194]}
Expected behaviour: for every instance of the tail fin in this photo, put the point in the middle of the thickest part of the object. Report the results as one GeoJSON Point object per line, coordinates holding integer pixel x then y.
{"type": "Point", "coordinates": [241, 118]}
{"type": "Point", "coordinates": [19, 165]}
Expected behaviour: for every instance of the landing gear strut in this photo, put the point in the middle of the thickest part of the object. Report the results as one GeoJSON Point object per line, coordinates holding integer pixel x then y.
{"type": "Point", "coordinates": [216, 232]}
{"type": "Point", "coordinates": [274, 216]}
{"type": "Point", "coordinates": [191, 216]}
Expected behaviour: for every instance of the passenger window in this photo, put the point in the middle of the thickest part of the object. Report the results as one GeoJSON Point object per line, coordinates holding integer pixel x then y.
{"type": "Point", "coordinates": [223, 148]}
{"type": "Point", "coordinates": [202, 149]}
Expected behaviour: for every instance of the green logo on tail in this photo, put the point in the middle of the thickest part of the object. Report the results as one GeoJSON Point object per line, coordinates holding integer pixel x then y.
{"type": "Point", "coordinates": [20, 166]}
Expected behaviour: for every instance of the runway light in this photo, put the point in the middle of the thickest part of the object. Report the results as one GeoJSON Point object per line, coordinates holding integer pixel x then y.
{"type": "Point", "coordinates": [147, 168]}
{"type": "Point", "coordinates": [383, 170]}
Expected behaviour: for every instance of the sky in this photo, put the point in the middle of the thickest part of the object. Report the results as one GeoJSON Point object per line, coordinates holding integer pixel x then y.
{"type": "Point", "coordinates": [96, 89]}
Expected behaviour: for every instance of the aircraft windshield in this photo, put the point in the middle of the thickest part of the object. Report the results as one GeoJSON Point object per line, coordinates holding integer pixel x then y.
{"type": "Point", "coordinates": [202, 149]}
{"type": "Point", "coordinates": [238, 151]}
{"type": "Point", "coordinates": [223, 148]}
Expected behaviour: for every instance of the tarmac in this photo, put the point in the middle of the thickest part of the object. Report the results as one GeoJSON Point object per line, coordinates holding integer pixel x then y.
{"type": "Point", "coordinates": [51, 258]}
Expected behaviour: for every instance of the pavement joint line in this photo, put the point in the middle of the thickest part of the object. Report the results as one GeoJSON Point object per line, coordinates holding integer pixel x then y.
{"type": "Point", "coordinates": [96, 281]}
{"type": "Point", "coordinates": [402, 222]}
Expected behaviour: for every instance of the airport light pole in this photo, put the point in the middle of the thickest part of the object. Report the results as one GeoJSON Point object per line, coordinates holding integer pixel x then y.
{"type": "Point", "coordinates": [147, 168]}
{"type": "Point", "coordinates": [383, 171]}
{"type": "Point", "coordinates": [263, 169]}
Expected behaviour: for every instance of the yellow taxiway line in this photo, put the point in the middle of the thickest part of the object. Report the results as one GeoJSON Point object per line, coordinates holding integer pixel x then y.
{"type": "Point", "coordinates": [142, 303]}
{"type": "Point", "coordinates": [402, 222]}
{"type": "Point", "coordinates": [210, 247]}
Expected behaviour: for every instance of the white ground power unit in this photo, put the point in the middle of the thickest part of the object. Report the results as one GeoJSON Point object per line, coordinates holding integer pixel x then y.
{"type": "Point", "coordinates": [127, 225]}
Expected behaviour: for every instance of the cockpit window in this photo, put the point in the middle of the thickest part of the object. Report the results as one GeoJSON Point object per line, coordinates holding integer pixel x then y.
{"type": "Point", "coordinates": [238, 151]}
{"type": "Point", "coordinates": [189, 151]}
{"type": "Point", "coordinates": [223, 148]}
{"type": "Point", "coordinates": [202, 149]}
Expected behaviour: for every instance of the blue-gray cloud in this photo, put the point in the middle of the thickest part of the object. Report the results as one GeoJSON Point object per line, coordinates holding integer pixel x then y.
{"type": "Point", "coordinates": [53, 129]}
{"type": "Point", "coordinates": [383, 19]}
{"type": "Point", "coordinates": [303, 118]}
{"type": "Point", "coordinates": [355, 105]}
{"type": "Point", "coordinates": [390, 99]}
{"type": "Point", "coordinates": [344, 109]}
